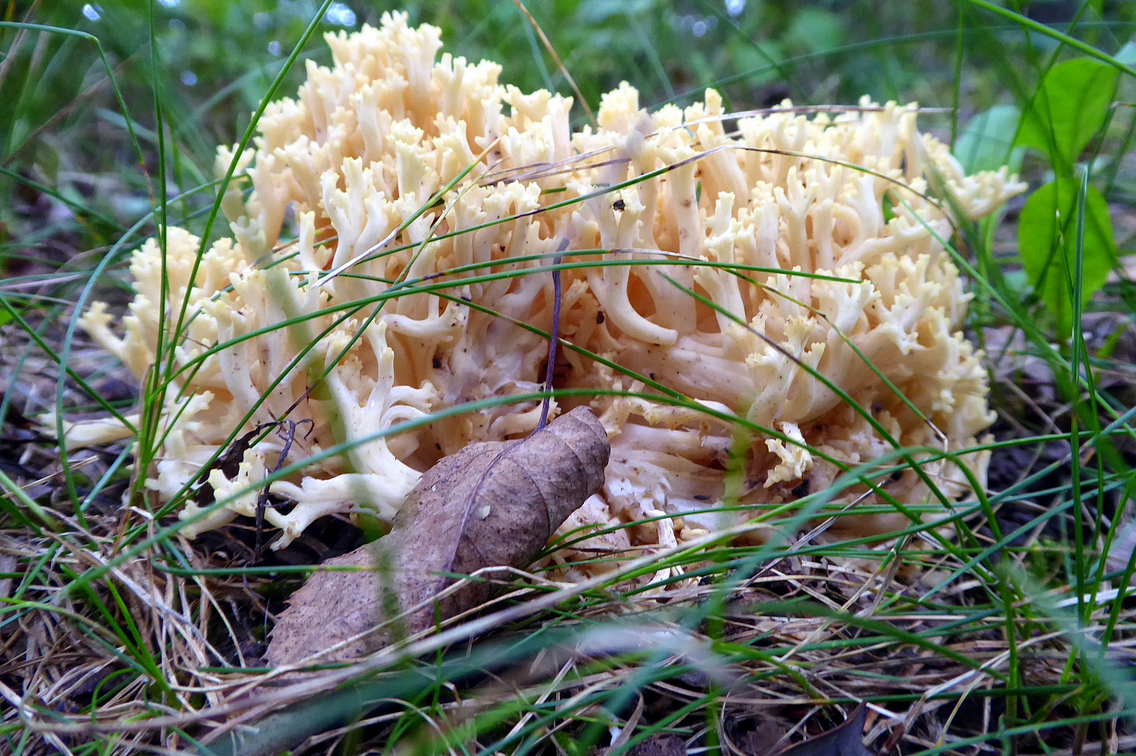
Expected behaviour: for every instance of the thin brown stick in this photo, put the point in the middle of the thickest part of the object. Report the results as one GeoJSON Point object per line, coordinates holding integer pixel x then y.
{"type": "Point", "coordinates": [553, 335]}
{"type": "Point", "coordinates": [556, 59]}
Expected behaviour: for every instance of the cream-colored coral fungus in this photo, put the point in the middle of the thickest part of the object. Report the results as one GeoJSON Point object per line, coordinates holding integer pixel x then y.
{"type": "Point", "coordinates": [814, 238]}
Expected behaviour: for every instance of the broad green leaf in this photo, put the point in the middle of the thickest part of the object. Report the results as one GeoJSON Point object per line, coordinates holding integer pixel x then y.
{"type": "Point", "coordinates": [815, 30]}
{"type": "Point", "coordinates": [1069, 107]}
{"type": "Point", "coordinates": [1047, 238]}
{"type": "Point", "coordinates": [987, 143]}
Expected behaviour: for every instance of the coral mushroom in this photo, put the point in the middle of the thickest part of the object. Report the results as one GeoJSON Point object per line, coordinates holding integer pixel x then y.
{"type": "Point", "coordinates": [813, 239]}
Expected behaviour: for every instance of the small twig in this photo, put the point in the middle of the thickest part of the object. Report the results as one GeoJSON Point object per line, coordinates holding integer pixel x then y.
{"type": "Point", "coordinates": [288, 431]}
{"type": "Point", "coordinates": [556, 59]}
{"type": "Point", "coordinates": [554, 334]}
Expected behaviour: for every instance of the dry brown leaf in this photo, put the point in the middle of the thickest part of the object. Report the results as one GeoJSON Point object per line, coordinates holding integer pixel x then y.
{"type": "Point", "coordinates": [846, 739]}
{"type": "Point", "coordinates": [491, 504]}
{"type": "Point", "coordinates": [1120, 553]}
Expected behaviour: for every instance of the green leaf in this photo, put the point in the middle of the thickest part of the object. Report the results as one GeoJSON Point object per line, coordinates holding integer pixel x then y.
{"type": "Point", "coordinates": [1047, 238]}
{"type": "Point", "coordinates": [1069, 107]}
{"type": "Point", "coordinates": [815, 30]}
{"type": "Point", "coordinates": [987, 143]}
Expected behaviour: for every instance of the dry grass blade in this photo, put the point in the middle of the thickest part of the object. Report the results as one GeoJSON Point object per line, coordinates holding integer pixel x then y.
{"type": "Point", "coordinates": [556, 58]}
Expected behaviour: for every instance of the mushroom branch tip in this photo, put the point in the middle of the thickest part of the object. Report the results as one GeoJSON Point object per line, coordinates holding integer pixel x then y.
{"type": "Point", "coordinates": [777, 271]}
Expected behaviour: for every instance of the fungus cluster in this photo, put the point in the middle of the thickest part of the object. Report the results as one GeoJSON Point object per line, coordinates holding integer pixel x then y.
{"type": "Point", "coordinates": [751, 264]}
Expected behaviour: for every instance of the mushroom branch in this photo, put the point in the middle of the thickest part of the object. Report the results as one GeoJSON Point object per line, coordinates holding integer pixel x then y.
{"type": "Point", "coordinates": [751, 270]}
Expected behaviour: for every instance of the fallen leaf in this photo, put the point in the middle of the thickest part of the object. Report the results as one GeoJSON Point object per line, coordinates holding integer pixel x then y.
{"type": "Point", "coordinates": [229, 463]}
{"type": "Point", "coordinates": [1120, 553]}
{"type": "Point", "coordinates": [846, 739]}
{"type": "Point", "coordinates": [491, 504]}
